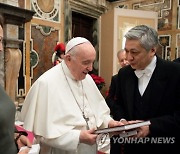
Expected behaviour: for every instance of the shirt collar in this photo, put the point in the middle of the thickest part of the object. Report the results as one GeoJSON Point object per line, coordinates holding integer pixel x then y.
{"type": "Point", "coordinates": [148, 70]}
{"type": "Point", "coordinates": [66, 70]}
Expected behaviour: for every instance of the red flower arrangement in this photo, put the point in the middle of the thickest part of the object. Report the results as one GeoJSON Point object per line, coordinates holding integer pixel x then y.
{"type": "Point", "coordinates": [98, 80]}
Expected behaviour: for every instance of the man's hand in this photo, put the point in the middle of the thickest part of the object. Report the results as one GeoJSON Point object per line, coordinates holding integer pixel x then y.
{"type": "Point", "coordinates": [142, 131]}
{"type": "Point", "coordinates": [88, 137]}
{"type": "Point", "coordinates": [114, 123]}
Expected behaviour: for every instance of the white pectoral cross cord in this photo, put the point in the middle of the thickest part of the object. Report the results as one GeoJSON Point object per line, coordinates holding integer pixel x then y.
{"type": "Point", "coordinates": [87, 120]}
{"type": "Point", "coordinates": [83, 101]}
{"type": "Point", "coordinates": [83, 107]}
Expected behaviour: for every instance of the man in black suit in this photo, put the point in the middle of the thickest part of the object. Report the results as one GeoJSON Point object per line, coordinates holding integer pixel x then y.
{"type": "Point", "coordinates": [148, 89]}
{"type": "Point", "coordinates": [177, 60]}
{"type": "Point", "coordinates": [121, 55]}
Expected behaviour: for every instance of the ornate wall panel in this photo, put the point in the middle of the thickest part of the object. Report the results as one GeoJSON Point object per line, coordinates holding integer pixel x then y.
{"type": "Point", "coordinates": [41, 51]}
{"type": "Point", "coordinates": [44, 35]}
{"type": "Point", "coordinates": [164, 9]}
{"type": "Point", "coordinates": [21, 79]}
{"type": "Point", "coordinates": [2, 68]}
{"type": "Point", "coordinates": [165, 41]}
{"type": "Point", "coordinates": [178, 16]}
{"type": "Point", "coordinates": [178, 45]}
{"type": "Point", "coordinates": [122, 6]}
{"type": "Point", "coordinates": [41, 36]}
{"type": "Point", "coordinates": [48, 9]}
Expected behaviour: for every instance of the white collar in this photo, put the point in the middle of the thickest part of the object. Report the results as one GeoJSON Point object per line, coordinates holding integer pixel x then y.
{"type": "Point", "coordinates": [66, 70]}
{"type": "Point", "coordinates": [148, 70]}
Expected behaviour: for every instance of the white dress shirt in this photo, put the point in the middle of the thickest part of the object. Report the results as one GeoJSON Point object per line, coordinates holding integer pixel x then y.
{"type": "Point", "coordinates": [144, 76]}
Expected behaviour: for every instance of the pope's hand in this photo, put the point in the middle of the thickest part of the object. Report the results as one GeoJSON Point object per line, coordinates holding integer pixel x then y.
{"type": "Point", "coordinates": [88, 137]}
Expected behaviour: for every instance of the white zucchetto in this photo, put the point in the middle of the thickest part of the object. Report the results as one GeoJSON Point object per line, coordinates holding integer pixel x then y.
{"type": "Point", "coordinates": [74, 42]}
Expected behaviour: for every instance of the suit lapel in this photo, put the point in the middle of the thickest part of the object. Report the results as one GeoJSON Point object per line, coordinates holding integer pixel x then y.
{"type": "Point", "coordinates": [130, 88]}
{"type": "Point", "coordinates": [157, 86]}
{"type": "Point", "coordinates": [155, 94]}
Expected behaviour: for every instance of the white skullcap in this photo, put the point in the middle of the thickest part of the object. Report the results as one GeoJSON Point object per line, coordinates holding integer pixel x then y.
{"type": "Point", "coordinates": [74, 42]}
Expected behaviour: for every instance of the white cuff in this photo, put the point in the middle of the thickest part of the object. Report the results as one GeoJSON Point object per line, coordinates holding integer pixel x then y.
{"type": "Point", "coordinates": [122, 119]}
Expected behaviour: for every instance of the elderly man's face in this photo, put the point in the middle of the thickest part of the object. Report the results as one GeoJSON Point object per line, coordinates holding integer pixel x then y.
{"type": "Point", "coordinates": [122, 59]}
{"type": "Point", "coordinates": [1, 39]}
{"type": "Point", "coordinates": [82, 62]}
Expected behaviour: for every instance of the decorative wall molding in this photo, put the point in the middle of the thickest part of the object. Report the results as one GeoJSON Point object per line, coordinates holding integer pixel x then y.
{"type": "Point", "coordinates": [45, 30]}
{"type": "Point", "coordinates": [21, 83]}
{"type": "Point", "coordinates": [177, 54]}
{"type": "Point", "coordinates": [11, 2]}
{"type": "Point", "coordinates": [160, 6]}
{"type": "Point", "coordinates": [164, 9]}
{"type": "Point", "coordinates": [47, 9]}
{"type": "Point", "coordinates": [165, 42]}
{"type": "Point", "coordinates": [67, 21]}
{"type": "Point", "coordinates": [15, 15]}
{"type": "Point", "coordinates": [89, 8]}
{"type": "Point", "coordinates": [122, 6]}
{"type": "Point", "coordinates": [178, 15]}
{"type": "Point", "coordinates": [34, 59]}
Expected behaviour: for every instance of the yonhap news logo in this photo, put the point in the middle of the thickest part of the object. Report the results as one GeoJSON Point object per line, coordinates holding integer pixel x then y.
{"type": "Point", "coordinates": [151, 140]}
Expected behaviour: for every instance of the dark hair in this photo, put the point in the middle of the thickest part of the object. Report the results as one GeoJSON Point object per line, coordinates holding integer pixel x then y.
{"type": "Point", "coordinates": [1, 20]}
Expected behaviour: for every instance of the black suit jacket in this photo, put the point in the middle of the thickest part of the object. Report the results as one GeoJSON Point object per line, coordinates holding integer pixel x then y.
{"type": "Point", "coordinates": [110, 99]}
{"type": "Point", "coordinates": [162, 108]}
{"type": "Point", "coordinates": [177, 60]}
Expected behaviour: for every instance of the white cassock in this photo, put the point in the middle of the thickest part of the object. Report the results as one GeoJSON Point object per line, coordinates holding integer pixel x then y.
{"type": "Point", "coordinates": [52, 113]}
